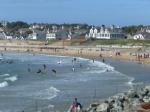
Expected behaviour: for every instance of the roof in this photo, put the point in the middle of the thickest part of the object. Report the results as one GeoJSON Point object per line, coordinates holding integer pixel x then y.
{"type": "Point", "coordinates": [1, 30]}
{"type": "Point", "coordinates": [2, 35]}
{"type": "Point", "coordinates": [145, 34]}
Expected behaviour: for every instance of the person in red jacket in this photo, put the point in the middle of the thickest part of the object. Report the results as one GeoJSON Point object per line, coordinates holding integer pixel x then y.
{"type": "Point", "coordinates": [75, 106]}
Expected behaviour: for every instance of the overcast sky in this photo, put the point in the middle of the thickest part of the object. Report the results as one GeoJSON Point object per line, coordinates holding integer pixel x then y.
{"type": "Point", "coordinates": [119, 12]}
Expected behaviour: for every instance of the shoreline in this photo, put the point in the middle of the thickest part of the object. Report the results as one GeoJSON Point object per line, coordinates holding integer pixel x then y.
{"type": "Point", "coordinates": [58, 53]}
{"type": "Point", "coordinates": [127, 54]}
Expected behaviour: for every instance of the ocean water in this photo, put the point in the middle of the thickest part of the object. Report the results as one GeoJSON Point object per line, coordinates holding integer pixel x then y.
{"type": "Point", "coordinates": [48, 83]}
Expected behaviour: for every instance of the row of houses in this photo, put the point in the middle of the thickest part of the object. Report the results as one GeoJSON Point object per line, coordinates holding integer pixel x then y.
{"type": "Point", "coordinates": [105, 33]}
{"type": "Point", "coordinates": [3, 35]}
{"type": "Point", "coordinates": [42, 35]}
{"type": "Point", "coordinates": [116, 33]}
{"type": "Point", "coordinates": [144, 34]}
{"type": "Point", "coordinates": [39, 32]}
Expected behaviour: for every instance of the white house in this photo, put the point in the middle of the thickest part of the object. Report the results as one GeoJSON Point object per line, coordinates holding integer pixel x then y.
{"type": "Point", "coordinates": [141, 36]}
{"type": "Point", "coordinates": [33, 36]}
{"type": "Point", "coordinates": [51, 35]}
{"type": "Point", "coordinates": [104, 33]}
{"type": "Point", "coordinates": [2, 34]}
{"type": "Point", "coordinates": [9, 37]}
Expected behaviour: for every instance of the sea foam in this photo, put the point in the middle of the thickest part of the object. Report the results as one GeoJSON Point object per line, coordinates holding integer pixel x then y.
{"type": "Point", "coordinates": [3, 84]}
{"type": "Point", "coordinates": [49, 93]}
{"type": "Point", "coordinates": [12, 79]}
{"type": "Point", "coordinates": [53, 92]}
{"type": "Point", "coordinates": [5, 75]}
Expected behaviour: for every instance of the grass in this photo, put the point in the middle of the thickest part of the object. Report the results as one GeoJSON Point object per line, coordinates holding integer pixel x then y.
{"type": "Point", "coordinates": [52, 41]}
{"type": "Point", "coordinates": [117, 42]}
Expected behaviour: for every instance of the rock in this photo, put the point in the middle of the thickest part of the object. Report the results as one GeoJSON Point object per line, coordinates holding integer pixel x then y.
{"type": "Point", "coordinates": [94, 105]}
{"type": "Point", "coordinates": [102, 107]}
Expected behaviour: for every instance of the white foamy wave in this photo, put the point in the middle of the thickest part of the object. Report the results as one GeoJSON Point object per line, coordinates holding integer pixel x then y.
{"type": "Point", "coordinates": [5, 75]}
{"type": "Point", "coordinates": [12, 79]}
{"type": "Point", "coordinates": [84, 59]}
{"type": "Point", "coordinates": [3, 84]}
{"type": "Point", "coordinates": [102, 65]}
{"type": "Point", "coordinates": [53, 92]}
{"type": "Point", "coordinates": [131, 81]}
{"type": "Point", "coordinates": [95, 71]}
{"type": "Point", "coordinates": [49, 93]}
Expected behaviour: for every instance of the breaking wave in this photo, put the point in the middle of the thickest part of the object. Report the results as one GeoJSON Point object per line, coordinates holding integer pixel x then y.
{"type": "Point", "coordinates": [5, 75]}
{"type": "Point", "coordinates": [12, 79]}
{"type": "Point", "coordinates": [49, 93]}
{"type": "Point", "coordinates": [3, 84]}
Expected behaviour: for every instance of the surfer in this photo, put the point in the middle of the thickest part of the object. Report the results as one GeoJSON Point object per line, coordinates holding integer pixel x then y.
{"type": "Point", "coordinates": [2, 54]}
{"type": "Point", "coordinates": [44, 66]}
{"type": "Point", "coordinates": [39, 71]}
{"type": "Point", "coordinates": [93, 60]}
{"type": "Point", "coordinates": [59, 62]}
{"type": "Point", "coordinates": [54, 71]}
{"type": "Point", "coordinates": [75, 59]}
{"type": "Point", "coordinates": [103, 61]}
{"type": "Point", "coordinates": [107, 70]}
{"type": "Point", "coordinates": [73, 69]}
{"type": "Point", "coordinates": [80, 65]}
{"type": "Point", "coordinates": [29, 70]}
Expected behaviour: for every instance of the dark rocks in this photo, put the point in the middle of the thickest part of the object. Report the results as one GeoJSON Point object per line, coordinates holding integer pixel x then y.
{"type": "Point", "coordinates": [125, 102]}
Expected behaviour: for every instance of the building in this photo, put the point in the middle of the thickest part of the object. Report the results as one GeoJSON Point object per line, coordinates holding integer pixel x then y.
{"type": "Point", "coordinates": [50, 35]}
{"type": "Point", "coordinates": [142, 36]}
{"type": "Point", "coordinates": [33, 36]}
{"type": "Point", "coordinates": [105, 33]}
{"type": "Point", "coordinates": [4, 23]}
{"type": "Point", "coordinates": [2, 34]}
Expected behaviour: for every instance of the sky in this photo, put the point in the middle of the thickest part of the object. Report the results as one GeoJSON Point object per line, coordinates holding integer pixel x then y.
{"type": "Point", "coordinates": [94, 12]}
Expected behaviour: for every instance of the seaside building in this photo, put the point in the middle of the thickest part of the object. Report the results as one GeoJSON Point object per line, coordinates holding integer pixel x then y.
{"type": "Point", "coordinates": [104, 33]}
{"type": "Point", "coordinates": [142, 36]}
{"type": "Point", "coordinates": [4, 23]}
{"type": "Point", "coordinates": [2, 35]}
{"type": "Point", "coordinates": [50, 35]}
{"type": "Point", "coordinates": [33, 36]}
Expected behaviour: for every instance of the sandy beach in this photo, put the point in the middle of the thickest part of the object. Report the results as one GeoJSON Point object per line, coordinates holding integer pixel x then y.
{"type": "Point", "coordinates": [140, 55]}
{"type": "Point", "coordinates": [125, 60]}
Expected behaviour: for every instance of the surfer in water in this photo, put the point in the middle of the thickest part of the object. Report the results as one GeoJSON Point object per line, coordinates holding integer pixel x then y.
{"type": "Point", "coordinates": [29, 70]}
{"type": "Point", "coordinates": [2, 54]}
{"type": "Point", "coordinates": [44, 66]}
{"type": "Point", "coordinates": [59, 62]}
{"type": "Point", "coordinates": [73, 69]}
{"type": "Point", "coordinates": [39, 71]}
{"type": "Point", "coordinates": [80, 65]}
{"type": "Point", "coordinates": [54, 71]}
{"type": "Point", "coordinates": [103, 61]}
{"type": "Point", "coordinates": [93, 60]}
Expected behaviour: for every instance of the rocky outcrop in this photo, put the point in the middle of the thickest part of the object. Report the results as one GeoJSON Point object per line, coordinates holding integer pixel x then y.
{"type": "Point", "coordinates": [131, 101]}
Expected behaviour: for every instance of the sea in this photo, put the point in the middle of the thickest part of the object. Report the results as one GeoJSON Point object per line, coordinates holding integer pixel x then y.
{"type": "Point", "coordinates": [48, 83]}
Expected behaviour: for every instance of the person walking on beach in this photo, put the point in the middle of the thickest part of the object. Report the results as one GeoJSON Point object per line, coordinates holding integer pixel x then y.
{"type": "Point", "coordinates": [75, 106]}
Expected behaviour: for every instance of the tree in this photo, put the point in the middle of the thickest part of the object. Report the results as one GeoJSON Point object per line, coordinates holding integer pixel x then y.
{"type": "Point", "coordinates": [1, 25]}
{"type": "Point", "coordinates": [17, 25]}
{"type": "Point", "coordinates": [132, 29]}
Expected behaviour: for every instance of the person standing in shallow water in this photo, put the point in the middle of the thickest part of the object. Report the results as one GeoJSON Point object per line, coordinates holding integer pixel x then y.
{"type": "Point", "coordinates": [93, 60]}
{"type": "Point", "coordinates": [75, 106]}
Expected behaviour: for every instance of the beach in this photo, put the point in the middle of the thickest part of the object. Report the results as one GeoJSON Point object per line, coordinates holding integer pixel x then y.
{"type": "Point", "coordinates": [131, 73]}
{"type": "Point", "coordinates": [138, 54]}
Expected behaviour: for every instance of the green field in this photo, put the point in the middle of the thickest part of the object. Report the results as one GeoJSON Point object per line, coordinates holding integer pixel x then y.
{"type": "Point", "coordinates": [117, 42]}
{"type": "Point", "coordinates": [102, 42]}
